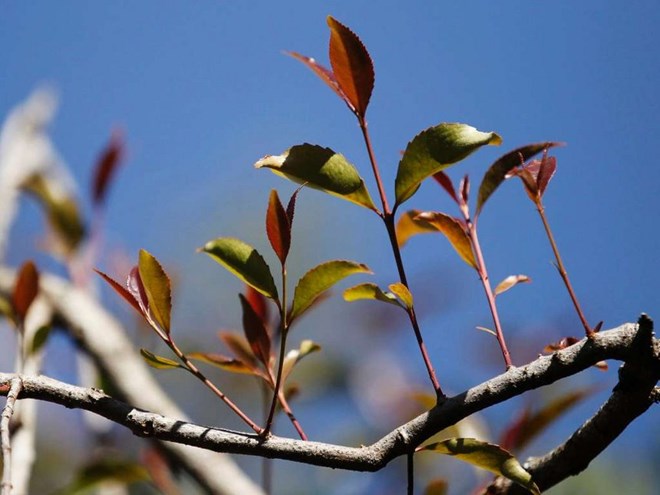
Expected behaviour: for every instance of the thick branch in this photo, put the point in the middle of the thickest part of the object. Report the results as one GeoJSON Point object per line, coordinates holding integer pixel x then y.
{"type": "Point", "coordinates": [621, 343]}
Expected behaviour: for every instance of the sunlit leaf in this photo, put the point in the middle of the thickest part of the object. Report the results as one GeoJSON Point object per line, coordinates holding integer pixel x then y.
{"type": "Point", "coordinates": [511, 281]}
{"type": "Point", "coordinates": [277, 227]}
{"type": "Point", "coordinates": [319, 279]}
{"type": "Point", "coordinates": [294, 356]}
{"type": "Point", "coordinates": [403, 293]}
{"type": "Point", "coordinates": [486, 456]}
{"type": "Point", "coordinates": [435, 149]}
{"type": "Point", "coordinates": [259, 303]}
{"type": "Point", "coordinates": [408, 226]}
{"type": "Point", "coordinates": [122, 291]}
{"type": "Point", "coordinates": [437, 487]}
{"type": "Point", "coordinates": [157, 287]}
{"type": "Point", "coordinates": [324, 74]}
{"type": "Point", "coordinates": [62, 212]}
{"type": "Point", "coordinates": [443, 179]}
{"type": "Point", "coordinates": [255, 331]}
{"type": "Point", "coordinates": [106, 167]}
{"type": "Point", "coordinates": [370, 291]}
{"type": "Point", "coordinates": [320, 168]}
{"type": "Point", "coordinates": [454, 231]}
{"type": "Point", "coordinates": [498, 171]}
{"type": "Point", "coordinates": [159, 362]}
{"type": "Point", "coordinates": [226, 363]}
{"type": "Point", "coordinates": [240, 347]}
{"type": "Point", "coordinates": [530, 425]}
{"type": "Point", "coordinates": [547, 170]}
{"type": "Point", "coordinates": [244, 261]}
{"type": "Point", "coordinates": [351, 65]}
{"type": "Point", "coordinates": [25, 290]}
{"type": "Point", "coordinates": [103, 471]}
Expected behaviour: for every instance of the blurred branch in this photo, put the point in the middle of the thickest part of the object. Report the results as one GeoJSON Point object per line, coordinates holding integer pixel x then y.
{"type": "Point", "coordinates": [634, 344]}
{"type": "Point", "coordinates": [7, 412]}
{"type": "Point", "coordinates": [103, 337]}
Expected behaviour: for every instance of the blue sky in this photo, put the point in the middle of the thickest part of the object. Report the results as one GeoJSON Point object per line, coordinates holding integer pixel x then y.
{"type": "Point", "coordinates": [202, 90]}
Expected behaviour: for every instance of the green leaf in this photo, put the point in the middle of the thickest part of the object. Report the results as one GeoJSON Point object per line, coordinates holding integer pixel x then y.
{"type": "Point", "coordinates": [370, 291]}
{"type": "Point", "coordinates": [319, 279]}
{"type": "Point", "coordinates": [435, 149]}
{"type": "Point", "coordinates": [159, 362]}
{"type": "Point", "coordinates": [320, 168]}
{"type": "Point", "coordinates": [157, 286]}
{"type": "Point", "coordinates": [351, 65]}
{"type": "Point", "coordinates": [278, 227]}
{"type": "Point", "coordinates": [454, 231]}
{"type": "Point", "coordinates": [26, 289]}
{"type": "Point", "coordinates": [511, 281]}
{"type": "Point", "coordinates": [244, 261]}
{"type": "Point", "coordinates": [402, 293]}
{"type": "Point", "coordinates": [294, 356]}
{"type": "Point", "coordinates": [409, 226]}
{"type": "Point", "coordinates": [40, 338]}
{"type": "Point", "coordinates": [498, 171]}
{"type": "Point", "coordinates": [6, 309]}
{"type": "Point", "coordinates": [487, 456]}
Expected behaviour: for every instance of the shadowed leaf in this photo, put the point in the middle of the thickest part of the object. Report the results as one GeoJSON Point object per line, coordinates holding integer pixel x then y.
{"type": "Point", "coordinates": [319, 279]}
{"type": "Point", "coordinates": [255, 331]}
{"type": "Point", "coordinates": [278, 227]}
{"type": "Point", "coordinates": [25, 290]}
{"type": "Point", "coordinates": [435, 149]}
{"type": "Point", "coordinates": [40, 338]}
{"type": "Point", "coordinates": [351, 65]}
{"type": "Point", "coordinates": [403, 293]}
{"type": "Point", "coordinates": [156, 284]}
{"type": "Point", "coordinates": [294, 356]}
{"type": "Point", "coordinates": [320, 168]}
{"type": "Point", "coordinates": [244, 261]}
{"type": "Point", "coordinates": [159, 362]}
{"type": "Point", "coordinates": [443, 179]}
{"type": "Point", "coordinates": [106, 167]}
{"type": "Point", "coordinates": [324, 74]}
{"type": "Point", "coordinates": [225, 363]}
{"type": "Point", "coordinates": [259, 303]}
{"type": "Point", "coordinates": [122, 291]}
{"type": "Point", "coordinates": [487, 456]}
{"type": "Point", "coordinates": [454, 231]}
{"type": "Point", "coordinates": [511, 281]}
{"type": "Point", "coordinates": [240, 347]}
{"type": "Point", "coordinates": [408, 226]}
{"type": "Point", "coordinates": [370, 291]}
{"type": "Point", "coordinates": [291, 206]}
{"type": "Point", "coordinates": [498, 171]}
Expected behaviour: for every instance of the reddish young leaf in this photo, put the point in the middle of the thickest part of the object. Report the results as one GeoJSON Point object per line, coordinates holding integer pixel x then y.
{"type": "Point", "coordinates": [122, 291]}
{"type": "Point", "coordinates": [26, 289]}
{"type": "Point", "coordinates": [562, 344]}
{"type": "Point", "coordinates": [156, 284]}
{"type": "Point", "coordinates": [278, 227]}
{"type": "Point", "coordinates": [291, 206]}
{"type": "Point", "coordinates": [106, 166]}
{"type": "Point", "coordinates": [255, 332]}
{"type": "Point", "coordinates": [464, 187]}
{"type": "Point", "coordinates": [444, 180]}
{"type": "Point", "coordinates": [351, 65]}
{"type": "Point", "coordinates": [529, 181]}
{"type": "Point", "coordinates": [240, 347]}
{"type": "Point", "coordinates": [546, 172]}
{"type": "Point", "coordinates": [324, 74]}
{"type": "Point", "coordinates": [135, 287]}
{"type": "Point", "coordinates": [226, 363]}
{"type": "Point", "coordinates": [259, 303]}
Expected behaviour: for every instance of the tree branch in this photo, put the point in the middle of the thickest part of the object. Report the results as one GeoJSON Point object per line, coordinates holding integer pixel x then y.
{"type": "Point", "coordinates": [7, 412]}
{"type": "Point", "coordinates": [637, 348]}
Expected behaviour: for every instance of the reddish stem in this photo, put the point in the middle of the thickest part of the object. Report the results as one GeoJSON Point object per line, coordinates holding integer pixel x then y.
{"type": "Point", "coordinates": [562, 270]}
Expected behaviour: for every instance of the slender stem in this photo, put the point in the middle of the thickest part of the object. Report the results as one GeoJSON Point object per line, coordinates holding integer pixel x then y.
{"type": "Point", "coordinates": [284, 327]}
{"type": "Point", "coordinates": [562, 270]}
{"type": "Point", "coordinates": [190, 366]}
{"type": "Point", "coordinates": [485, 281]}
{"type": "Point", "coordinates": [411, 472]}
{"type": "Point", "coordinates": [7, 413]}
{"type": "Point", "coordinates": [287, 409]}
{"type": "Point", "coordinates": [388, 218]}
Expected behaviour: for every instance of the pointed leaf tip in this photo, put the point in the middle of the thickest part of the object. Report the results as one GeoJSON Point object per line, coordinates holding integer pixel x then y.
{"type": "Point", "coordinates": [454, 231]}
{"type": "Point", "coordinates": [157, 287]}
{"type": "Point", "coordinates": [244, 262]}
{"type": "Point", "coordinates": [278, 227]}
{"type": "Point", "coordinates": [319, 279]}
{"type": "Point", "coordinates": [351, 65]}
{"type": "Point", "coordinates": [369, 290]}
{"type": "Point", "coordinates": [435, 149]}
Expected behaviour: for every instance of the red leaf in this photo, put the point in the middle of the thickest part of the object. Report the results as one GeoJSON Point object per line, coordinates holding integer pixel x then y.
{"type": "Point", "coordinates": [324, 74]}
{"type": "Point", "coordinates": [291, 206]}
{"type": "Point", "coordinates": [444, 180]}
{"type": "Point", "coordinates": [136, 288]}
{"type": "Point", "coordinates": [562, 344]}
{"type": "Point", "coordinates": [26, 289]}
{"type": "Point", "coordinates": [255, 332]}
{"type": "Point", "coordinates": [259, 303]}
{"type": "Point", "coordinates": [351, 65]}
{"type": "Point", "coordinates": [240, 347]}
{"type": "Point", "coordinates": [122, 291]}
{"type": "Point", "coordinates": [277, 227]}
{"type": "Point", "coordinates": [106, 165]}
{"type": "Point", "coordinates": [546, 172]}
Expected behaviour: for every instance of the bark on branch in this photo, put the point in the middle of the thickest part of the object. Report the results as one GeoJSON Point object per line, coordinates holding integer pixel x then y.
{"type": "Point", "coordinates": [631, 343]}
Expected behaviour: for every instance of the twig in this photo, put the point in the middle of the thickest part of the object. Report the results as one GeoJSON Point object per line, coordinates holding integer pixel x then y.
{"type": "Point", "coordinates": [7, 413]}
